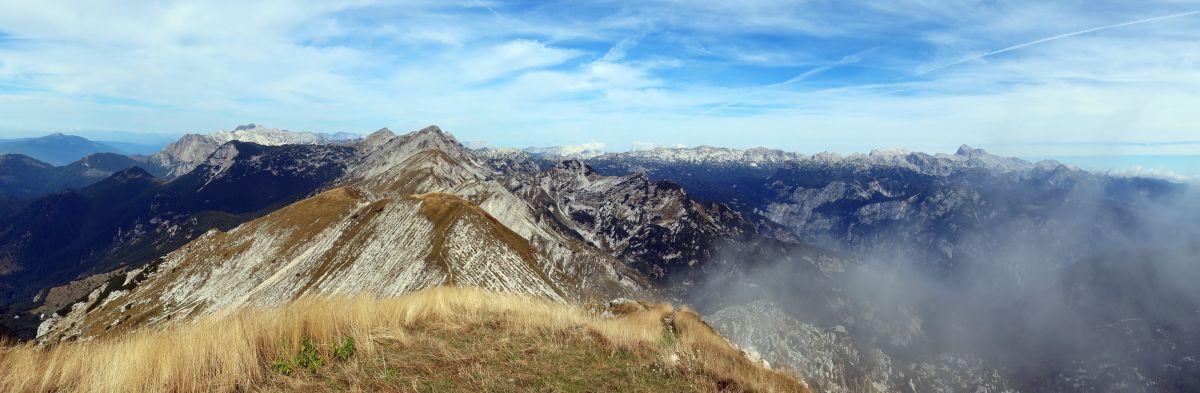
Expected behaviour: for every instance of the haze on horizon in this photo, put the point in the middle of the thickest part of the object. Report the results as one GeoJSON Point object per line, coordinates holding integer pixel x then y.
{"type": "Point", "coordinates": [1024, 78]}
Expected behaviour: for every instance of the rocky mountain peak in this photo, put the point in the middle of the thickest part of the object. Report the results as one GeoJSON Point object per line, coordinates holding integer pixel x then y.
{"type": "Point", "coordinates": [224, 157]}
{"type": "Point", "coordinates": [227, 151]}
{"type": "Point", "coordinates": [375, 140]}
{"type": "Point", "coordinates": [421, 161]}
{"type": "Point", "coordinates": [184, 154]}
{"type": "Point", "coordinates": [432, 128]}
{"type": "Point", "coordinates": [429, 138]}
{"type": "Point", "coordinates": [576, 167]}
{"type": "Point", "coordinates": [969, 151]}
{"type": "Point", "coordinates": [433, 136]}
{"type": "Point", "coordinates": [980, 158]}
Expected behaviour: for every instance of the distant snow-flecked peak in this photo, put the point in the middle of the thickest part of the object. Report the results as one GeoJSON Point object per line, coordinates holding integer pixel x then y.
{"type": "Point", "coordinates": [185, 154]}
{"type": "Point", "coordinates": [268, 136]}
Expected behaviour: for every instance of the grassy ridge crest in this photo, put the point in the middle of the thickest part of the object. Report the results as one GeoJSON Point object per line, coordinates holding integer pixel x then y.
{"type": "Point", "coordinates": [437, 339]}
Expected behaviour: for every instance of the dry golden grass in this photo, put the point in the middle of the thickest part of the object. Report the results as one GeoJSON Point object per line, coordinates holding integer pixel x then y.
{"type": "Point", "coordinates": [447, 339]}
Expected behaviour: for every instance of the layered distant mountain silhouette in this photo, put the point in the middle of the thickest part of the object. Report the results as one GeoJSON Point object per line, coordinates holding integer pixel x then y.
{"type": "Point", "coordinates": [55, 149]}
{"type": "Point", "coordinates": [23, 178]}
{"type": "Point", "coordinates": [26, 173]}
{"type": "Point", "coordinates": [132, 218]}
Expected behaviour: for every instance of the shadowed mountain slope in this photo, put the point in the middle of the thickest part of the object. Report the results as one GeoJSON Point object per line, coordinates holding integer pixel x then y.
{"type": "Point", "coordinates": [23, 178]}
{"type": "Point", "coordinates": [133, 218]}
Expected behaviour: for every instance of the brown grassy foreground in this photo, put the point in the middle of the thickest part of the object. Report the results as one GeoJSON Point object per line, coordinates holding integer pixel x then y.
{"type": "Point", "coordinates": [439, 339]}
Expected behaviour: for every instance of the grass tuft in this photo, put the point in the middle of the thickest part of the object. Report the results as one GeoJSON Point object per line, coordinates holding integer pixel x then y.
{"type": "Point", "coordinates": [668, 337]}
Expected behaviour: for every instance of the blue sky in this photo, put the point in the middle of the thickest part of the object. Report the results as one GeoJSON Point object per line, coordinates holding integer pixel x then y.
{"type": "Point", "coordinates": [1030, 78]}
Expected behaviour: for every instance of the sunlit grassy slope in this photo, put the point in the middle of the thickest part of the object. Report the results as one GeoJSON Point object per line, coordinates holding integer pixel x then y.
{"type": "Point", "coordinates": [438, 339]}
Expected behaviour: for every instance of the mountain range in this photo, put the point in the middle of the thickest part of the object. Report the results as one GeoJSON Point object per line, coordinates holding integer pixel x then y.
{"type": "Point", "coordinates": [56, 149]}
{"type": "Point", "coordinates": [888, 271]}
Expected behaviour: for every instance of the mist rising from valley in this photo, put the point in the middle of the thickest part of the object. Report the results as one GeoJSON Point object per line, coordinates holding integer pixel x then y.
{"type": "Point", "coordinates": [1084, 287]}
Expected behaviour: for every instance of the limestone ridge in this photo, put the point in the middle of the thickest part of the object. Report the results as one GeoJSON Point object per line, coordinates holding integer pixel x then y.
{"type": "Point", "coordinates": [333, 243]}
{"type": "Point", "coordinates": [190, 150]}
{"type": "Point", "coordinates": [431, 160]}
{"type": "Point", "coordinates": [414, 211]}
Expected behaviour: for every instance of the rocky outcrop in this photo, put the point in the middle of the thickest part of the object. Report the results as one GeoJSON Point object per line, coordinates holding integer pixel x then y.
{"type": "Point", "coordinates": [654, 226]}
{"type": "Point", "coordinates": [183, 155]}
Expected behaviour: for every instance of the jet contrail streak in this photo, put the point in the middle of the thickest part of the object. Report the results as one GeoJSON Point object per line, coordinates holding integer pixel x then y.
{"type": "Point", "coordinates": [844, 61]}
{"type": "Point", "coordinates": [1058, 37]}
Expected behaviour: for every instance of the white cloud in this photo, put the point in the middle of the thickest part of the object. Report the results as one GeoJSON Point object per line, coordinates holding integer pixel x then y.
{"type": "Point", "coordinates": [643, 145]}
{"type": "Point", "coordinates": [477, 144]}
{"type": "Point", "coordinates": [617, 52]}
{"type": "Point", "coordinates": [582, 150]}
{"type": "Point", "coordinates": [519, 77]}
{"type": "Point", "coordinates": [1153, 173]}
{"type": "Point", "coordinates": [514, 56]}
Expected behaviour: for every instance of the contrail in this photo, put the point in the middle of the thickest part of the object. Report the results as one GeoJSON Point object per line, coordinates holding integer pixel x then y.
{"type": "Point", "coordinates": [847, 60]}
{"type": "Point", "coordinates": [1058, 37]}
{"type": "Point", "coordinates": [483, 5]}
{"type": "Point", "coordinates": [844, 61]}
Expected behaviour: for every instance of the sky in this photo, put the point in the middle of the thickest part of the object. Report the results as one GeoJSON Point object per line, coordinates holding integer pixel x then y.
{"type": "Point", "coordinates": [1028, 78]}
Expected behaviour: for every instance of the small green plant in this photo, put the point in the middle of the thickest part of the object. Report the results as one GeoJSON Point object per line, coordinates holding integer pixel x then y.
{"type": "Point", "coordinates": [282, 366]}
{"type": "Point", "coordinates": [344, 350]}
{"type": "Point", "coordinates": [308, 357]}
{"type": "Point", "coordinates": [669, 338]}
